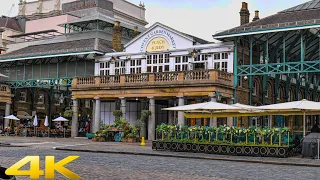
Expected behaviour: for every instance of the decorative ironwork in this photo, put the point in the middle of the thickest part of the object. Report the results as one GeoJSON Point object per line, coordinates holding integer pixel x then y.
{"type": "Point", "coordinates": [67, 82]}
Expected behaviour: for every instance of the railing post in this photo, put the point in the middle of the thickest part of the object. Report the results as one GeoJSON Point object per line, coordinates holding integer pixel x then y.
{"type": "Point", "coordinates": [181, 76]}
{"type": "Point", "coordinates": [213, 75]}
{"type": "Point", "coordinates": [122, 79]}
{"type": "Point", "coordinates": [151, 77]}
{"type": "Point", "coordinates": [75, 82]}
{"type": "Point", "coordinates": [97, 80]}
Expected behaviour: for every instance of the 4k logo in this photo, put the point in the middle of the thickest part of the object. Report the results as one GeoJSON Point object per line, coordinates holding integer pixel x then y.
{"type": "Point", "coordinates": [35, 172]}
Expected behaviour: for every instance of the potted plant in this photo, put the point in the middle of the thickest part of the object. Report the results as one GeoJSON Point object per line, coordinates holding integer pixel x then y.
{"type": "Point", "coordinates": [100, 137]}
{"type": "Point", "coordinates": [131, 138]}
{"type": "Point", "coordinates": [124, 138]}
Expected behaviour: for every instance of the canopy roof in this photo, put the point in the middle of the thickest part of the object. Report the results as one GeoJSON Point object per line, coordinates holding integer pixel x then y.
{"type": "Point", "coordinates": [94, 45]}
{"type": "Point", "coordinates": [303, 15]}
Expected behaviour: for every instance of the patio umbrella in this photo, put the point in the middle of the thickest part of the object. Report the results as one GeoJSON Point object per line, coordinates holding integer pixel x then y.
{"type": "Point", "coordinates": [35, 124]}
{"type": "Point", "coordinates": [206, 107]}
{"type": "Point", "coordinates": [303, 105]}
{"type": "Point", "coordinates": [61, 119]}
{"type": "Point", "coordinates": [46, 123]}
{"type": "Point", "coordinates": [2, 75]}
{"type": "Point", "coordinates": [12, 117]}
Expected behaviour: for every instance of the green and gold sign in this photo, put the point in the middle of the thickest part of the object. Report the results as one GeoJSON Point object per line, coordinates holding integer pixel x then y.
{"type": "Point", "coordinates": [158, 44]}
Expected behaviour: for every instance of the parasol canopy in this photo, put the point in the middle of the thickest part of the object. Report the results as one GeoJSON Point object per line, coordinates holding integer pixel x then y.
{"type": "Point", "coordinates": [60, 119]}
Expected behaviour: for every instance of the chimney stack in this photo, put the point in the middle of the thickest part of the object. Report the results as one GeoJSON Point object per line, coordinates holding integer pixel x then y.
{"type": "Point", "coordinates": [256, 16]}
{"type": "Point", "coordinates": [244, 14]}
{"type": "Point", "coordinates": [117, 36]}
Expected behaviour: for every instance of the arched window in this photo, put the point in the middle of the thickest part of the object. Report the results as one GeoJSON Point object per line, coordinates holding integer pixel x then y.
{"type": "Point", "coordinates": [254, 88]}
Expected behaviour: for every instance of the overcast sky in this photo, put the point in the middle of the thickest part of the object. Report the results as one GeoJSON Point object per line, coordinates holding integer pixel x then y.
{"type": "Point", "coordinates": [201, 18]}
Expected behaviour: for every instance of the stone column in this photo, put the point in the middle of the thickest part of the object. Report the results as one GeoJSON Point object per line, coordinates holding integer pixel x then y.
{"type": "Point", "coordinates": [230, 119]}
{"type": "Point", "coordinates": [97, 115]}
{"type": "Point", "coordinates": [7, 113]}
{"type": "Point", "coordinates": [181, 114]}
{"type": "Point", "coordinates": [123, 106]}
{"type": "Point", "coordinates": [213, 121]}
{"type": "Point", "coordinates": [75, 122]}
{"type": "Point", "coordinates": [170, 113]}
{"type": "Point", "coordinates": [152, 119]}
{"type": "Point", "coordinates": [143, 132]}
{"type": "Point", "coordinates": [93, 117]}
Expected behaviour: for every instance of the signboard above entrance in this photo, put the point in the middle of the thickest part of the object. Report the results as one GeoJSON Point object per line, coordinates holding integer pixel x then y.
{"type": "Point", "coordinates": [158, 44]}
{"type": "Point", "coordinates": [159, 40]}
{"type": "Point", "coordinates": [86, 4]}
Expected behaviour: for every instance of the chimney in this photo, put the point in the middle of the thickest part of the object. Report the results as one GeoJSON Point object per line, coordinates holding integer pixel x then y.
{"type": "Point", "coordinates": [2, 48]}
{"type": "Point", "coordinates": [244, 14]}
{"type": "Point", "coordinates": [256, 16]}
{"type": "Point", "coordinates": [117, 37]}
{"type": "Point", "coordinates": [135, 32]}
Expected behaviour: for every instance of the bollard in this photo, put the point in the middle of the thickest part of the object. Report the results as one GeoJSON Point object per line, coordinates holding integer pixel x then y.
{"type": "Point", "coordinates": [318, 148]}
{"type": "Point", "coordinates": [143, 143]}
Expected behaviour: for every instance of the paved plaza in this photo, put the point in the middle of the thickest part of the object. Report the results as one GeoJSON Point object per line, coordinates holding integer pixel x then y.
{"type": "Point", "coordinates": [133, 166]}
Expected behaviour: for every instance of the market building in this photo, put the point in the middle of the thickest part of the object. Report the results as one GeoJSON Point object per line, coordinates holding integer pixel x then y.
{"type": "Point", "coordinates": [277, 60]}
{"type": "Point", "coordinates": [40, 64]}
{"type": "Point", "coordinates": [160, 68]}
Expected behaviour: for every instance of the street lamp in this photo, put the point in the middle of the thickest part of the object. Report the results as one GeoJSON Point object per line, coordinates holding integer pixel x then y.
{"type": "Point", "coordinates": [113, 59]}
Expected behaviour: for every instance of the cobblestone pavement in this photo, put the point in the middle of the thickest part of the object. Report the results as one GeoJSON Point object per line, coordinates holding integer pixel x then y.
{"type": "Point", "coordinates": [120, 166]}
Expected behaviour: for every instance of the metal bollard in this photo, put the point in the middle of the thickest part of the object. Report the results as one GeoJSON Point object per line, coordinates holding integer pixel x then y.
{"type": "Point", "coordinates": [318, 148]}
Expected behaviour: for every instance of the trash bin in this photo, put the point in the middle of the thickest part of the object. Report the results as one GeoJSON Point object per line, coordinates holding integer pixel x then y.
{"type": "Point", "coordinates": [3, 175]}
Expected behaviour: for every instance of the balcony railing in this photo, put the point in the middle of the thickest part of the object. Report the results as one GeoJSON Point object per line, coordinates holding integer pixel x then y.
{"type": "Point", "coordinates": [161, 78]}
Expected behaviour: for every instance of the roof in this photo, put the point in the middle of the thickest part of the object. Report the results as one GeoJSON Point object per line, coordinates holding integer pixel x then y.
{"type": "Point", "coordinates": [191, 37]}
{"type": "Point", "coordinates": [105, 18]}
{"type": "Point", "coordinates": [84, 45]}
{"type": "Point", "coordinates": [301, 15]}
{"type": "Point", "coordinates": [10, 23]}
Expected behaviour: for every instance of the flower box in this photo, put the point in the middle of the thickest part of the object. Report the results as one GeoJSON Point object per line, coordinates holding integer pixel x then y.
{"type": "Point", "coordinates": [99, 139]}
{"type": "Point", "coordinates": [224, 149]}
{"type": "Point", "coordinates": [131, 140]}
{"type": "Point", "coordinates": [124, 139]}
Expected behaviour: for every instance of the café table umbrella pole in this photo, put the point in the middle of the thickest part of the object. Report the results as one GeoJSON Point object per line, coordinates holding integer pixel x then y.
{"type": "Point", "coordinates": [35, 124]}
{"type": "Point", "coordinates": [46, 123]}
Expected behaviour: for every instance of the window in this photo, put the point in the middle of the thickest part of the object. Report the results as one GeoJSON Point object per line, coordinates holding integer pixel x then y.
{"type": "Point", "coordinates": [185, 59]}
{"type": "Point", "coordinates": [104, 68]}
{"type": "Point", "coordinates": [177, 68]}
{"type": "Point", "coordinates": [185, 67]}
{"type": "Point", "coordinates": [120, 67]}
{"type": "Point", "coordinates": [217, 56]}
{"type": "Point", "coordinates": [23, 97]}
{"type": "Point", "coordinates": [224, 66]}
{"type": "Point", "coordinates": [149, 59]}
{"type": "Point", "coordinates": [135, 66]}
{"type": "Point", "coordinates": [148, 68]}
{"type": "Point", "coordinates": [181, 63]}
{"type": "Point", "coordinates": [87, 103]}
{"type": "Point", "coordinates": [224, 55]}
{"type": "Point", "coordinates": [40, 99]}
{"type": "Point", "coordinates": [239, 81]}
{"type": "Point", "coordinates": [254, 88]}
{"type": "Point", "coordinates": [132, 62]}
{"type": "Point", "coordinates": [167, 58]}
{"type": "Point", "coordinates": [178, 59]}
{"type": "Point", "coordinates": [217, 65]}
{"type": "Point", "coordinates": [155, 59]}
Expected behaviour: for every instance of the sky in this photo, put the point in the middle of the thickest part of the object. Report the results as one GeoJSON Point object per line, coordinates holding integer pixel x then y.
{"type": "Point", "coordinates": [201, 18]}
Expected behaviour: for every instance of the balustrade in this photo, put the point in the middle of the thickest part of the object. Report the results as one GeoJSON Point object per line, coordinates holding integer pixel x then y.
{"type": "Point", "coordinates": [174, 77]}
{"type": "Point", "coordinates": [134, 78]}
{"type": "Point", "coordinates": [3, 88]}
{"type": "Point", "coordinates": [197, 75]}
{"type": "Point", "coordinates": [110, 79]}
{"type": "Point", "coordinates": [222, 75]}
{"type": "Point", "coordinates": [86, 80]}
{"type": "Point", "coordinates": [166, 76]}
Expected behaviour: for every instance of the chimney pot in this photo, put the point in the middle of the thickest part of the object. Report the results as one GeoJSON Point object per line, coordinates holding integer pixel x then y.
{"type": "Point", "coordinates": [256, 16]}
{"type": "Point", "coordinates": [244, 5]}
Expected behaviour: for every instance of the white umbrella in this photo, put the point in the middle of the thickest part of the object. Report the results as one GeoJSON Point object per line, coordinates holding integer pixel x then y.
{"type": "Point", "coordinates": [12, 117]}
{"type": "Point", "coordinates": [303, 105]}
{"type": "Point", "coordinates": [46, 123]}
{"type": "Point", "coordinates": [60, 119]}
{"type": "Point", "coordinates": [206, 107]}
{"type": "Point", "coordinates": [2, 75]}
{"type": "Point", "coordinates": [35, 124]}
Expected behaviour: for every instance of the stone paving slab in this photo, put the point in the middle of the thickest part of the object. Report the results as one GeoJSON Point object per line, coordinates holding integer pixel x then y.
{"type": "Point", "coordinates": [136, 149]}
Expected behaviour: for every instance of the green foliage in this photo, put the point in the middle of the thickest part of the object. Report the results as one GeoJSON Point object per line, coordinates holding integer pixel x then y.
{"type": "Point", "coordinates": [68, 113]}
{"type": "Point", "coordinates": [117, 114]}
{"type": "Point", "coordinates": [219, 135]}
